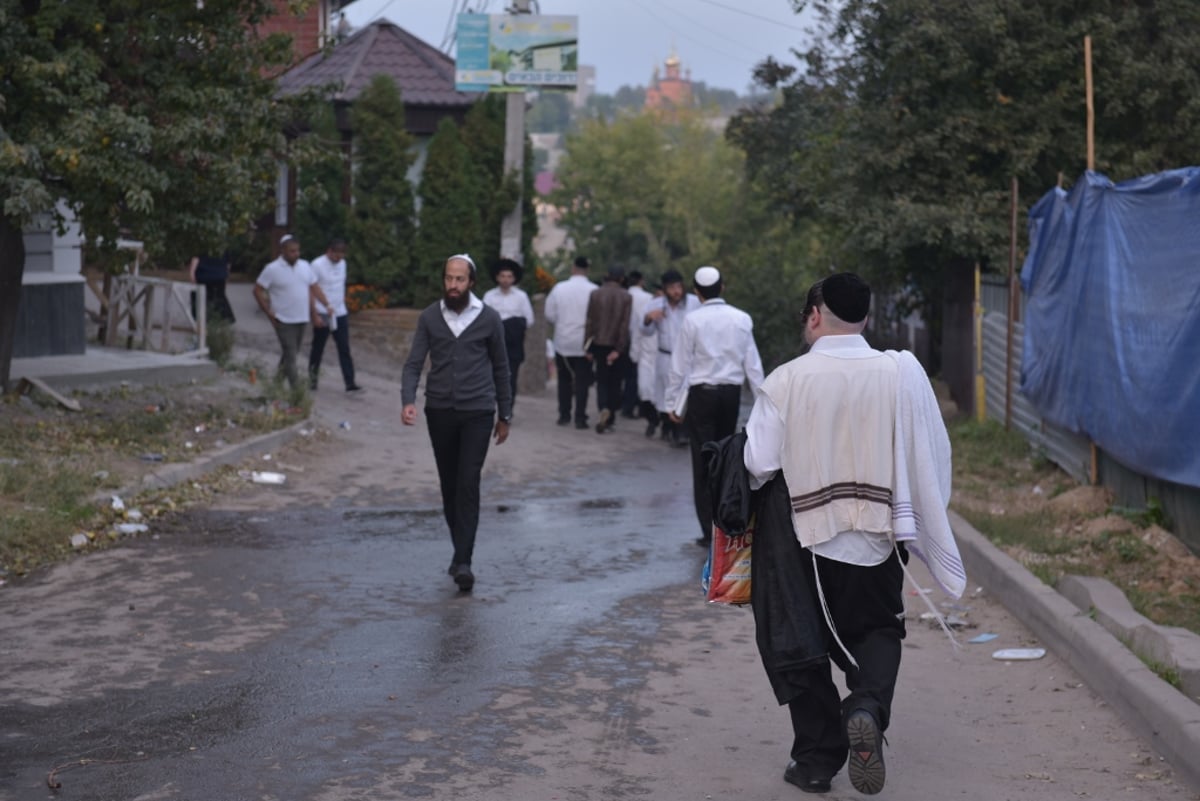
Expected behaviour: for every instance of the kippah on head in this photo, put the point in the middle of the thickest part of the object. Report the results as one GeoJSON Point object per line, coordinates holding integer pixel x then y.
{"type": "Point", "coordinates": [616, 273]}
{"type": "Point", "coordinates": [283, 240]}
{"type": "Point", "coordinates": [671, 277]}
{"type": "Point", "coordinates": [582, 263]}
{"type": "Point", "coordinates": [847, 296]}
{"type": "Point", "coordinates": [470, 262]}
{"type": "Point", "coordinates": [707, 276]}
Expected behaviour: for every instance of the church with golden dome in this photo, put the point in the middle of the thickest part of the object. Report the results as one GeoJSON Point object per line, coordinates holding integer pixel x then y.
{"type": "Point", "coordinates": [672, 88]}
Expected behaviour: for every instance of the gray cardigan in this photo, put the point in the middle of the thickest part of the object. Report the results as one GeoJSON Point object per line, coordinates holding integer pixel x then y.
{"type": "Point", "coordinates": [468, 372]}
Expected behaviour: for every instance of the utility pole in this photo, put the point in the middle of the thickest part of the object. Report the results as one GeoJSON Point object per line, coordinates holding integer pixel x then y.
{"type": "Point", "coordinates": [514, 162]}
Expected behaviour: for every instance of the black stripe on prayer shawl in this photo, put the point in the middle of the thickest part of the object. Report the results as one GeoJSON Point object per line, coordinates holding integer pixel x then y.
{"type": "Point", "coordinates": [841, 491]}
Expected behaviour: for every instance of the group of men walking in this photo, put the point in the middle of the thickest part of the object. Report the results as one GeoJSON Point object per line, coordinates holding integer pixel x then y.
{"type": "Point", "coordinates": [849, 437]}
{"type": "Point", "coordinates": [293, 292]}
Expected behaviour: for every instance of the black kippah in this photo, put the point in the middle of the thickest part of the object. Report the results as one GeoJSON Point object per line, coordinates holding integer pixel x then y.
{"type": "Point", "coordinates": [847, 296]}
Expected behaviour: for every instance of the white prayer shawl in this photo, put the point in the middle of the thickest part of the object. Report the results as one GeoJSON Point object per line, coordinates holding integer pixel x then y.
{"type": "Point", "coordinates": [922, 477]}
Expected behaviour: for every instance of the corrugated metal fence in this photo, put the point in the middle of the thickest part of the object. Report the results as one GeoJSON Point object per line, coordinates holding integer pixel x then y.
{"type": "Point", "coordinates": [1072, 452]}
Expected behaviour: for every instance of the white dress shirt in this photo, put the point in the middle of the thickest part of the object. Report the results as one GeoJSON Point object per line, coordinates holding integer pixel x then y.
{"type": "Point", "coordinates": [637, 343]}
{"type": "Point", "coordinates": [288, 287]}
{"type": "Point", "coordinates": [566, 310]}
{"type": "Point", "coordinates": [458, 322]}
{"type": "Point", "coordinates": [715, 346]}
{"type": "Point", "coordinates": [332, 279]}
{"type": "Point", "coordinates": [513, 303]}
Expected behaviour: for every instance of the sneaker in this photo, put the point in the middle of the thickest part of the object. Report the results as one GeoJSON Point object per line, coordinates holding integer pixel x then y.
{"type": "Point", "coordinates": [464, 578]}
{"type": "Point", "coordinates": [865, 764]}
{"type": "Point", "coordinates": [605, 417]}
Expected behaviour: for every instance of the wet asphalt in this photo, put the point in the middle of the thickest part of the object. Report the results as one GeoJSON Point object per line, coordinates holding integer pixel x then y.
{"type": "Point", "coordinates": [296, 648]}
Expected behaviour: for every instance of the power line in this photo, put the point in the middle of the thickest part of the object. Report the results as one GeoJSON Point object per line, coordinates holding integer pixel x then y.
{"type": "Point", "coordinates": [752, 14]}
{"type": "Point", "coordinates": [666, 24]}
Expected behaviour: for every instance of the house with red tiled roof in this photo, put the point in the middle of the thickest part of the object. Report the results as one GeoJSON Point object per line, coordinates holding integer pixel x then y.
{"type": "Point", "coordinates": [423, 74]}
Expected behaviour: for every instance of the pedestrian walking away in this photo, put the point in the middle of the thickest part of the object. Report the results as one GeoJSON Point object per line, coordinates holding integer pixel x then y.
{"type": "Point", "coordinates": [607, 332]}
{"type": "Point", "coordinates": [212, 272]}
{"type": "Point", "coordinates": [516, 313]}
{"type": "Point", "coordinates": [663, 319]}
{"type": "Point", "coordinates": [466, 390]}
{"type": "Point", "coordinates": [287, 292]}
{"type": "Point", "coordinates": [330, 269]}
{"type": "Point", "coordinates": [566, 310]}
{"type": "Point", "coordinates": [631, 400]}
{"type": "Point", "coordinates": [713, 357]}
{"type": "Point", "coordinates": [852, 443]}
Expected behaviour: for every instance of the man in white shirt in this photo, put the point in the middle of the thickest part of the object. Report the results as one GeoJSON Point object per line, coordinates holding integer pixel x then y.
{"type": "Point", "coordinates": [713, 356]}
{"type": "Point", "coordinates": [330, 270]}
{"type": "Point", "coordinates": [516, 312]}
{"type": "Point", "coordinates": [286, 291]}
{"type": "Point", "coordinates": [631, 399]}
{"type": "Point", "coordinates": [662, 321]}
{"type": "Point", "coordinates": [566, 310]}
{"type": "Point", "coordinates": [827, 420]}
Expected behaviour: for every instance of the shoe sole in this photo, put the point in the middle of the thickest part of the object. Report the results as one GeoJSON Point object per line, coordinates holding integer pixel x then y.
{"type": "Point", "coordinates": [865, 763]}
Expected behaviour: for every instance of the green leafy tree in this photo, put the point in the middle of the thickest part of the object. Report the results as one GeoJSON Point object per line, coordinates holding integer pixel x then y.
{"type": "Point", "coordinates": [382, 229]}
{"type": "Point", "coordinates": [653, 194]}
{"type": "Point", "coordinates": [911, 117]}
{"type": "Point", "coordinates": [150, 119]}
{"type": "Point", "coordinates": [451, 219]}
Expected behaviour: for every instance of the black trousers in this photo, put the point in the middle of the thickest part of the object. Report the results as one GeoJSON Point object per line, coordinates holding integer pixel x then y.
{"type": "Point", "coordinates": [608, 380]}
{"type": "Point", "coordinates": [341, 338]}
{"type": "Point", "coordinates": [866, 605]}
{"type": "Point", "coordinates": [574, 380]}
{"type": "Point", "coordinates": [216, 301]}
{"type": "Point", "coordinates": [460, 444]}
{"type": "Point", "coordinates": [712, 414]}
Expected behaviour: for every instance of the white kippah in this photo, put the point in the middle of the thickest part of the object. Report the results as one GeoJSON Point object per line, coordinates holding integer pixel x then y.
{"type": "Point", "coordinates": [285, 239]}
{"type": "Point", "coordinates": [465, 258]}
{"type": "Point", "coordinates": [707, 276]}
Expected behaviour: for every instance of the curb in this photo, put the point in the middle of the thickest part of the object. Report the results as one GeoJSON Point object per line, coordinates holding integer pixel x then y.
{"type": "Point", "coordinates": [177, 472]}
{"type": "Point", "coordinates": [1154, 709]}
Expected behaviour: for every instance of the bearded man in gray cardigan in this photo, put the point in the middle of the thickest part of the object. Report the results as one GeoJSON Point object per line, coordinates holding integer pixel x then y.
{"type": "Point", "coordinates": [467, 385]}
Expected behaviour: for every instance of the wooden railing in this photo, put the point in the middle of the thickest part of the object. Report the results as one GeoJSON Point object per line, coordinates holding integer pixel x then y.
{"type": "Point", "coordinates": [147, 311]}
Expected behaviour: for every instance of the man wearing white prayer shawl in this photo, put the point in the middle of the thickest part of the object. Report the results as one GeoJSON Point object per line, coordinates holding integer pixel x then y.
{"type": "Point", "coordinates": [867, 467]}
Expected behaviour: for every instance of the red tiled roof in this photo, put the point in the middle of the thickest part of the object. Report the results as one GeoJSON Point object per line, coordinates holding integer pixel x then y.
{"type": "Point", "coordinates": [424, 74]}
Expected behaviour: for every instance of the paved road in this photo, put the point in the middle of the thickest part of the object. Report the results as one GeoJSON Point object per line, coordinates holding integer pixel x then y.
{"type": "Point", "coordinates": [305, 642]}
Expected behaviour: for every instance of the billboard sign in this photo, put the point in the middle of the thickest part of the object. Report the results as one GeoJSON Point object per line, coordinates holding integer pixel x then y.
{"type": "Point", "coordinates": [514, 52]}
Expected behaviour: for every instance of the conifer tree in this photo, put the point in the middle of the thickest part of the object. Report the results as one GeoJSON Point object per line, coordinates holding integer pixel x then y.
{"type": "Point", "coordinates": [321, 214]}
{"type": "Point", "coordinates": [451, 212]}
{"type": "Point", "coordinates": [381, 225]}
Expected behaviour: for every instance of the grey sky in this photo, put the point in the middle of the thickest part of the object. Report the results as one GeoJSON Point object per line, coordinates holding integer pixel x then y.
{"type": "Point", "coordinates": [719, 40]}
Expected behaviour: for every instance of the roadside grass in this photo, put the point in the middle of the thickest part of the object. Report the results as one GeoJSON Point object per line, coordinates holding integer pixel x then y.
{"type": "Point", "coordinates": [1004, 488]}
{"type": "Point", "coordinates": [58, 468]}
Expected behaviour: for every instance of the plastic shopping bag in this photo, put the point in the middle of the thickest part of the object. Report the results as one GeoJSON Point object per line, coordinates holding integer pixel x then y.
{"type": "Point", "coordinates": [726, 577]}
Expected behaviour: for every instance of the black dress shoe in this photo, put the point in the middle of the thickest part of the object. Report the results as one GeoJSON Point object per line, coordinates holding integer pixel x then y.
{"type": "Point", "coordinates": [794, 774]}
{"type": "Point", "coordinates": [704, 542]}
{"type": "Point", "coordinates": [464, 578]}
{"type": "Point", "coordinates": [354, 388]}
{"type": "Point", "coordinates": [562, 421]}
{"type": "Point", "coordinates": [650, 427]}
{"type": "Point", "coordinates": [581, 423]}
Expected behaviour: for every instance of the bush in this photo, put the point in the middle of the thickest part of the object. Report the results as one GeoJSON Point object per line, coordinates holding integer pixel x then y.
{"type": "Point", "coordinates": [219, 340]}
{"type": "Point", "coordinates": [362, 296]}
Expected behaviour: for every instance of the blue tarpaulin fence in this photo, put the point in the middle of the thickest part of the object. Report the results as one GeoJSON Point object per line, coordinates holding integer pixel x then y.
{"type": "Point", "coordinates": [1112, 325]}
